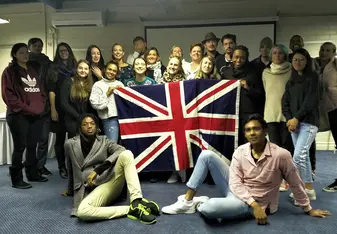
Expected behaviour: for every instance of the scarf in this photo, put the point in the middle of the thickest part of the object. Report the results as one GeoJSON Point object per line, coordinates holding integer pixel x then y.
{"type": "Point", "coordinates": [65, 71]}
{"type": "Point", "coordinates": [157, 75]}
{"type": "Point", "coordinates": [280, 68]}
{"type": "Point", "coordinates": [176, 77]}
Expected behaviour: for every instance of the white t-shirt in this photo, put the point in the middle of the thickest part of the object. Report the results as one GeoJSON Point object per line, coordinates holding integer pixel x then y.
{"type": "Point", "coordinates": [190, 75]}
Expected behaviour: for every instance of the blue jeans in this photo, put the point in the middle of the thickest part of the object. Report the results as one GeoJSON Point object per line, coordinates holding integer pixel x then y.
{"type": "Point", "coordinates": [226, 207]}
{"type": "Point", "coordinates": [302, 139]}
{"type": "Point", "coordinates": [111, 128]}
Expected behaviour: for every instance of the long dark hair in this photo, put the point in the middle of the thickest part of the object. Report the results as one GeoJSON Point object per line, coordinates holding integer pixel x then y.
{"type": "Point", "coordinates": [71, 61]}
{"type": "Point", "coordinates": [89, 58]}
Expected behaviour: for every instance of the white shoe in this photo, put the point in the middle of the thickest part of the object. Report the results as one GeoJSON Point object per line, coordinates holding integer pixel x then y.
{"type": "Point", "coordinates": [180, 207]}
{"type": "Point", "coordinates": [196, 200]}
{"type": "Point", "coordinates": [311, 194]}
{"type": "Point", "coordinates": [173, 178]}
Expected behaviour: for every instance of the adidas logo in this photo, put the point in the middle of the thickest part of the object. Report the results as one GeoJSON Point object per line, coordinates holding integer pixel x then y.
{"type": "Point", "coordinates": [29, 81]}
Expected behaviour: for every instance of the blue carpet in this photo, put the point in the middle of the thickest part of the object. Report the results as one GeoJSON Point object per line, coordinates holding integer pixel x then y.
{"type": "Point", "coordinates": [43, 210]}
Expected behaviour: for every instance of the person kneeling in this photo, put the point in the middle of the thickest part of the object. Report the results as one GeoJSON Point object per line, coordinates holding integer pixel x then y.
{"type": "Point", "coordinates": [99, 168]}
{"type": "Point", "coordinates": [250, 185]}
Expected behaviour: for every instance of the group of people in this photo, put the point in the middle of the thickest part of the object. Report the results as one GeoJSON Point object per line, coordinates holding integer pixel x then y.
{"type": "Point", "coordinates": [292, 95]}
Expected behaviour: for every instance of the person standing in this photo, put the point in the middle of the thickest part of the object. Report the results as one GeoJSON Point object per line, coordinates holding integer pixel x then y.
{"type": "Point", "coordinates": [23, 94]}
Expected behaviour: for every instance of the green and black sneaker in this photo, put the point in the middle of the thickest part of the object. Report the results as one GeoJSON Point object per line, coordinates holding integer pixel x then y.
{"type": "Point", "coordinates": [151, 206]}
{"type": "Point", "coordinates": [139, 212]}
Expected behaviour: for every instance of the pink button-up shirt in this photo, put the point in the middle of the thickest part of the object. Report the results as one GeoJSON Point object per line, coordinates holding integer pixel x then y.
{"type": "Point", "coordinates": [261, 181]}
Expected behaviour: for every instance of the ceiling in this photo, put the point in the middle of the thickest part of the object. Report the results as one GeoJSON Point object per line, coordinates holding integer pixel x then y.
{"type": "Point", "coordinates": [173, 10]}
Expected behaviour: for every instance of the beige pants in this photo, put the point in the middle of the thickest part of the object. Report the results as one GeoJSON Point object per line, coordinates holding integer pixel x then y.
{"type": "Point", "coordinates": [94, 206]}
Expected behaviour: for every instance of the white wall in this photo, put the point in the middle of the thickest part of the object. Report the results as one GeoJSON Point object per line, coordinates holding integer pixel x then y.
{"type": "Point", "coordinates": [33, 20]}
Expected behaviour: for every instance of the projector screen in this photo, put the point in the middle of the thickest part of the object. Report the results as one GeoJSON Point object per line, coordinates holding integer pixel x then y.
{"type": "Point", "coordinates": [248, 34]}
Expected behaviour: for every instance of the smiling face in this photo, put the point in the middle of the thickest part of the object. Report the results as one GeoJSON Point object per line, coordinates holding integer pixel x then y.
{"type": "Point", "coordinates": [211, 45]}
{"type": "Point", "coordinates": [63, 52]}
{"type": "Point", "coordinates": [88, 127]}
{"type": "Point", "coordinates": [95, 55]}
{"type": "Point", "coordinates": [139, 66]}
{"type": "Point", "coordinates": [277, 56]}
{"type": "Point", "coordinates": [22, 55]}
{"type": "Point", "coordinates": [177, 52]}
{"type": "Point", "coordinates": [152, 57]}
{"type": "Point", "coordinates": [254, 132]}
{"type": "Point", "coordinates": [118, 52]}
{"type": "Point", "coordinates": [82, 70]}
{"type": "Point", "coordinates": [196, 53]}
{"type": "Point", "coordinates": [327, 52]}
{"type": "Point", "coordinates": [206, 65]}
{"type": "Point", "coordinates": [173, 66]}
{"type": "Point", "coordinates": [36, 48]}
{"type": "Point", "coordinates": [239, 58]}
{"type": "Point", "coordinates": [299, 62]}
{"type": "Point", "coordinates": [111, 71]}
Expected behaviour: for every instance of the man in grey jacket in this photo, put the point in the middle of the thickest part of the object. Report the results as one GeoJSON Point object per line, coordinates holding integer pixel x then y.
{"type": "Point", "coordinates": [98, 169]}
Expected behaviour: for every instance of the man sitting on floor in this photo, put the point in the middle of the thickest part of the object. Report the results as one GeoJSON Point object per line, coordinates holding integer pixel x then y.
{"type": "Point", "coordinates": [250, 185]}
{"type": "Point", "coordinates": [99, 168]}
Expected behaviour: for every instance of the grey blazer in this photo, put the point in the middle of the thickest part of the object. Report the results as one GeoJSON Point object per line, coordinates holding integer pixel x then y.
{"type": "Point", "coordinates": [79, 167]}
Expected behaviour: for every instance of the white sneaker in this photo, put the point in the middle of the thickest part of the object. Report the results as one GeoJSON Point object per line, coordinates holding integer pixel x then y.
{"type": "Point", "coordinates": [173, 178]}
{"type": "Point", "coordinates": [196, 200]}
{"type": "Point", "coordinates": [180, 207]}
{"type": "Point", "coordinates": [311, 194]}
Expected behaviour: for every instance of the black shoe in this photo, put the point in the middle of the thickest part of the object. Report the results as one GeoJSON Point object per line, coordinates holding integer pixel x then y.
{"type": "Point", "coordinates": [151, 206]}
{"type": "Point", "coordinates": [331, 188]}
{"type": "Point", "coordinates": [17, 178]}
{"type": "Point", "coordinates": [63, 173]}
{"type": "Point", "coordinates": [21, 185]}
{"type": "Point", "coordinates": [139, 212]}
{"type": "Point", "coordinates": [43, 171]}
{"type": "Point", "coordinates": [33, 175]}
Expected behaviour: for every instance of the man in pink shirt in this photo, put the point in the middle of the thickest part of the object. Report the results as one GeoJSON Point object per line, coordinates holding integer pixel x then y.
{"type": "Point", "coordinates": [250, 185]}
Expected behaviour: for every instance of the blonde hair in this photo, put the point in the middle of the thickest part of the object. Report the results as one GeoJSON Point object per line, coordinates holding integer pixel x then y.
{"type": "Point", "coordinates": [80, 90]}
{"type": "Point", "coordinates": [173, 47]}
{"type": "Point", "coordinates": [212, 75]}
{"type": "Point", "coordinates": [180, 70]}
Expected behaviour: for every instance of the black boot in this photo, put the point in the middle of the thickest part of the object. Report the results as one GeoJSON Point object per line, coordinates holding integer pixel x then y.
{"type": "Point", "coordinates": [33, 175]}
{"type": "Point", "coordinates": [17, 178]}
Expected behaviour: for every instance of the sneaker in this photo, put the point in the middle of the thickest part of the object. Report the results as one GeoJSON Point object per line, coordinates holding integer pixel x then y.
{"type": "Point", "coordinates": [173, 178]}
{"type": "Point", "coordinates": [196, 200]}
{"type": "Point", "coordinates": [44, 171]}
{"type": "Point", "coordinates": [180, 207]}
{"type": "Point", "coordinates": [138, 211]}
{"type": "Point", "coordinates": [151, 206]}
{"type": "Point", "coordinates": [310, 192]}
{"type": "Point", "coordinates": [284, 186]}
{"type": "Point", "coordinates": [331, 188]}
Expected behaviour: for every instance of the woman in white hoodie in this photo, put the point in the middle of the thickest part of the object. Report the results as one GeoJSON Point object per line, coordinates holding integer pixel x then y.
{"type": "Point", "coordinates": [103, 100]}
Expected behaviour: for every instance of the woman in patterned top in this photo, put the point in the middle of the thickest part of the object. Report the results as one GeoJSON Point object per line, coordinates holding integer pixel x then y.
{"type": "Point", "coordinates": [126, 71]}
{"type": "Point", "coordinates": [174, 71]}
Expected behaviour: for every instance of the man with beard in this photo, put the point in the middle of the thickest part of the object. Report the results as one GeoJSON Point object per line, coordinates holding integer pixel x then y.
{"type": "Point", "coordinates": [99, 168]}
{"type": "Point", "coordinates": [225, 61]}
{"type": "Point", "coordinates": [211, 44]}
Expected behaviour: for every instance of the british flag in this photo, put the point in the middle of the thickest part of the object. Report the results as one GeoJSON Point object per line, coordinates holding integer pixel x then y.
{"type": "Point", "coordinates": [166, 126]}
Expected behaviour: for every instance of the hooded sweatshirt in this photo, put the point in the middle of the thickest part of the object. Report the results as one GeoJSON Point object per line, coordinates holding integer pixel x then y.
{"type": "Point", "coordinates": [274, 80]}
{"type": "Point", "coordinates": [22, 90]}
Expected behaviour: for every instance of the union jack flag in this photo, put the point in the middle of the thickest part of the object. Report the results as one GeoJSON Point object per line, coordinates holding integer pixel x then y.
{"type": "Point", "coordinates": [166, 126]}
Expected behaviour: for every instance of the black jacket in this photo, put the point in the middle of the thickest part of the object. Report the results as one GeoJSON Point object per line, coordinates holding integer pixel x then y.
{"type": "Point", "coordinates": [301, 98]}
{"type": "Point", "coordinates": [252, 99]}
